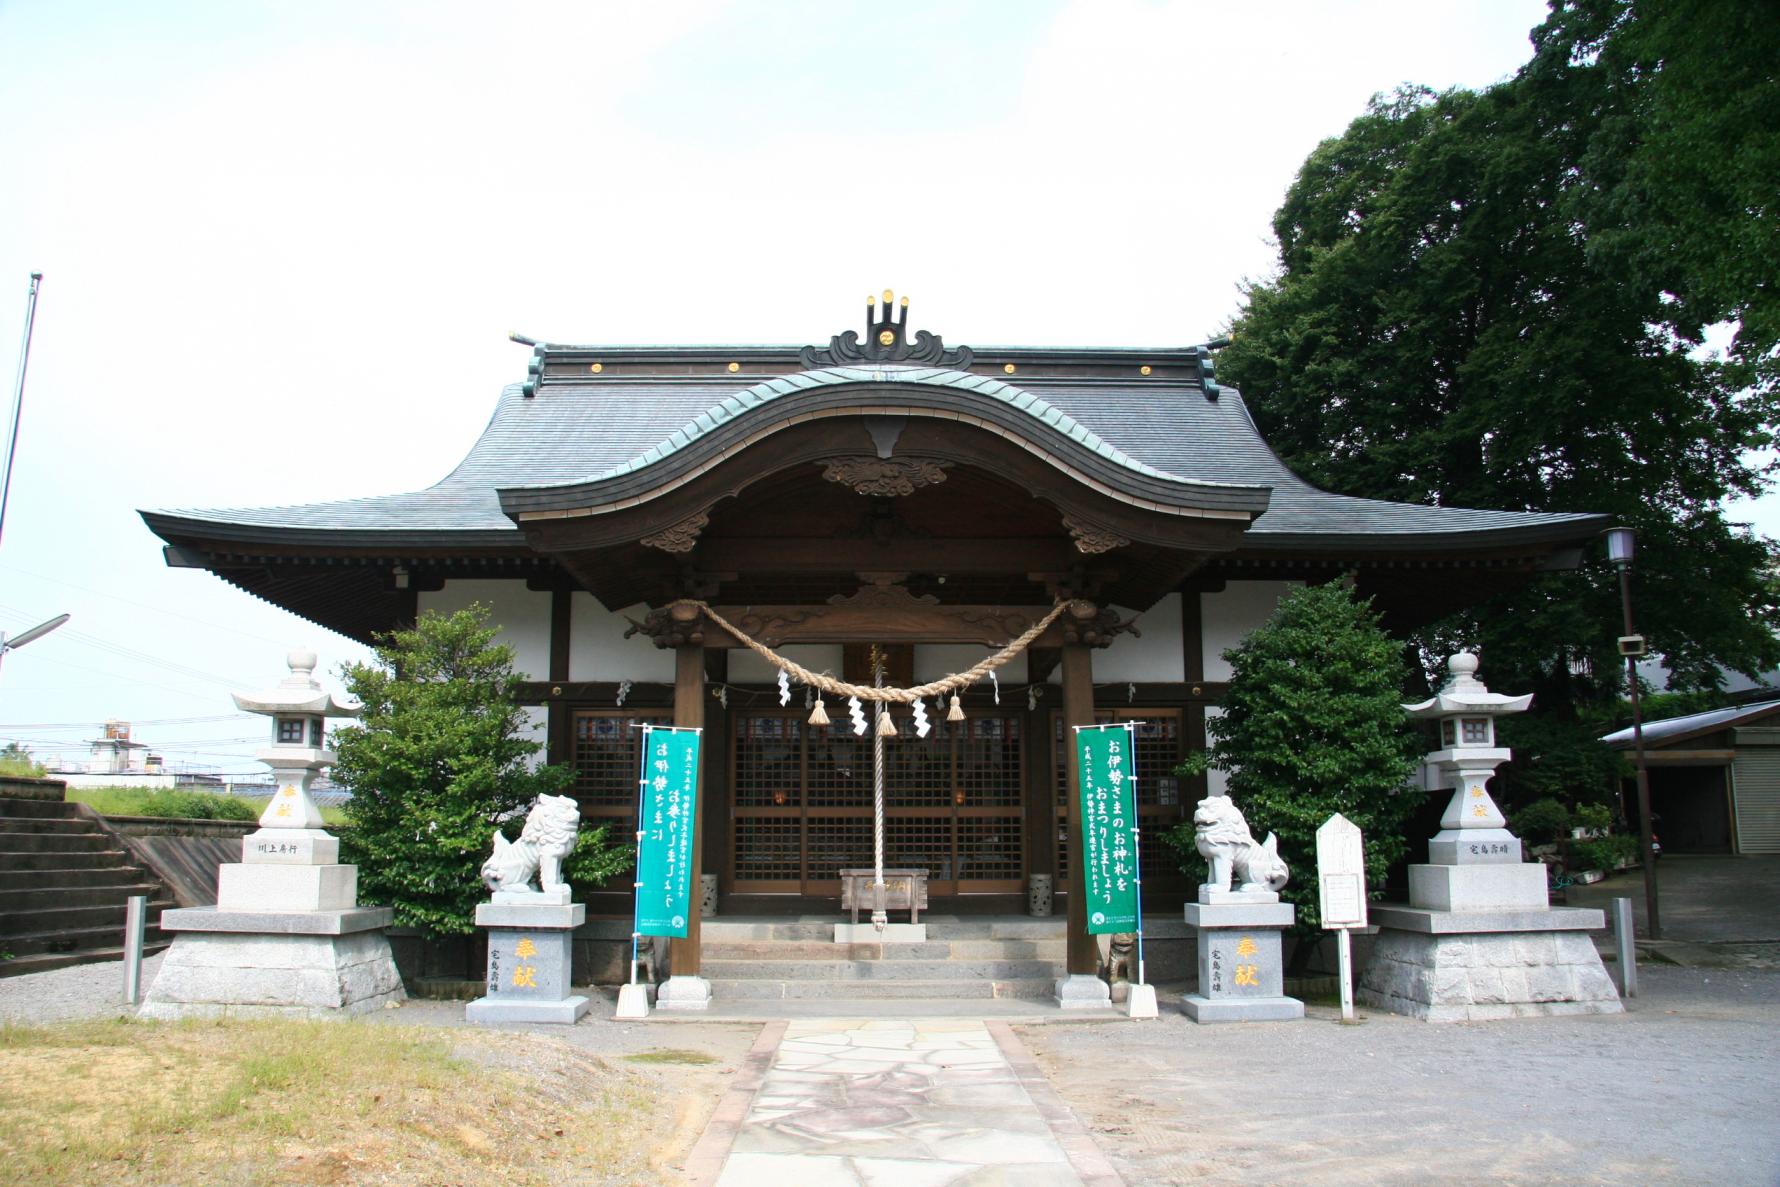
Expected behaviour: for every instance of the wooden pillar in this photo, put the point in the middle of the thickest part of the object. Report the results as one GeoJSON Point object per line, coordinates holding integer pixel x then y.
{"type": "Point", "coordinates": [1192, 618]}
{"type": "Point", "coordinates": [559, 745]}
{"type": "Point", "coordinates": [689, 711]}
{"type": "Point", "coordinates": [1083, 954]}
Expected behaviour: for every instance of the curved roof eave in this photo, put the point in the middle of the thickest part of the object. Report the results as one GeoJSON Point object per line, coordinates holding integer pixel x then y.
{"type": "Point", "coordinates": [774, 403]}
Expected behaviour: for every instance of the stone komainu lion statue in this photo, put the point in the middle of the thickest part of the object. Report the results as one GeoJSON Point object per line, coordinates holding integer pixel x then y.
{"type": "Point", "coordinates": [1222, 838]}
{"type": "Point", "coordinates": [548, 837]}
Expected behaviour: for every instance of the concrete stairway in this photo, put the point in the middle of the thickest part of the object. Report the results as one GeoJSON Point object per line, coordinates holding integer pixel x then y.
{"type": "Point", "coordinates": [964, 957]}
{"type": "Point", "coordinates": [63, 883]}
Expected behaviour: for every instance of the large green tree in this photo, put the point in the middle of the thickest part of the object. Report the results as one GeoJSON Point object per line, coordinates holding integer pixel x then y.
{"type": "Point", "coordinates": [1454, 322]}
{"type": "Point", "coordinates": [438, 758]}
{"type": "Point", "coordinates": [1682, 166]}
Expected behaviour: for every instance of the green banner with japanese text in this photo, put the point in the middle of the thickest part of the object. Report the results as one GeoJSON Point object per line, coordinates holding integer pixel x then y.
{"type": "Point", "coordinates": [664, 833]}
{"type": "Point", "coordinates": [1107, 774]}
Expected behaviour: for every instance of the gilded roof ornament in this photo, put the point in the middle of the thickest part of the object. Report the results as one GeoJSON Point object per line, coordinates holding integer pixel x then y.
{"type": "Point", "coordinates": [886, 340]}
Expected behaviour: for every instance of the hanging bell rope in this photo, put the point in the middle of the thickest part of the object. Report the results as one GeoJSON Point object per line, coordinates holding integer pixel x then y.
{"type": "Point", "coordinates": [901, 696]}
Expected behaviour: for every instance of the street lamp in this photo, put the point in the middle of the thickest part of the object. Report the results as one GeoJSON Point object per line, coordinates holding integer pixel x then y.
{"type": "Point", "coordinates": [24, 637]}
{"type": "Point", "coordinates": [1620, 546]}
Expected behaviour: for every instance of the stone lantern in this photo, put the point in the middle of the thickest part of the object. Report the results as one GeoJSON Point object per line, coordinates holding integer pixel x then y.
{"type": "Point", "coordinates": [1472, 830]}
{"type": "Point", "coordinates": [299, 708]}
{"type": "Point", "coordinates": [287, 937]}
{"type": "Point", "coordinates": [1479, 938]}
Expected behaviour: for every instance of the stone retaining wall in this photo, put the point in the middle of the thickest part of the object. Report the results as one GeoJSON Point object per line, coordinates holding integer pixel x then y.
{"type": "Point", "coordinates": [19, 787]}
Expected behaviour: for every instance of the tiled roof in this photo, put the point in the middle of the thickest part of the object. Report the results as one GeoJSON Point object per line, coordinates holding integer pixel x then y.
{"type": "Point", "coordinates": [575, 431]}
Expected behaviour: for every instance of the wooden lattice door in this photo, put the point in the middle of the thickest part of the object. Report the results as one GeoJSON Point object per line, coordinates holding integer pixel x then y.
{"type": "Point", "coordinates": [803, 804]}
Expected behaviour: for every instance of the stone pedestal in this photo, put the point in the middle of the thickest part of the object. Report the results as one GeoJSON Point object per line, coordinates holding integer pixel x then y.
{"type": "Point", "coordinates": [529, 959]}
{"type": "Point", "coordinates": [1478, 938]}
{"type": "Point", "coordinates": [1083, 991]}
{"type": "Point", "coordinates": [274, 964]}
{"type": "Point", "coordinates": [683, 993]}
{"type": "Point", "coordinates": [1454, 966]}
{"type": "Point", "coordinates": [1241, 971]}
{"type": "Point", "coordinates": [286, 938]}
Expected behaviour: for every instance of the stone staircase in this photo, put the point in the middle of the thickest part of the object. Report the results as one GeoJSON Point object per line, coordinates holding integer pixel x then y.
{"type": "Point", "coordinates": [63, 884]}
{"type": "Point", "coordinates": [963, 957]}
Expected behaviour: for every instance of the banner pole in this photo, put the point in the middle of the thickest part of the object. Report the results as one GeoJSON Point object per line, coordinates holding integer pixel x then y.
{"type": "Point", "coordinates": [1136, 852]}
{"type": "Point", "coordinates": [636, 886]}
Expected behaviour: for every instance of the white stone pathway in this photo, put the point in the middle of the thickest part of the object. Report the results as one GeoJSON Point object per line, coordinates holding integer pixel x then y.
{"type": "Point", "coordinates": [908, 1103]}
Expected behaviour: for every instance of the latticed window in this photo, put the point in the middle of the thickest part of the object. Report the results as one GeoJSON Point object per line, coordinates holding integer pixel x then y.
{"type": "Point", "coordinates": [1158, 789]}
{"type": "Point", "coordinates": [608, 759]}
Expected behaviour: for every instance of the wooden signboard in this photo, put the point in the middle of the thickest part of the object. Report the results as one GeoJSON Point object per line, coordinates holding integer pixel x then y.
{"type": "Point", "coordinates": [1340, 873]}
{"type": "Point", "coordinates": [1341, 893]}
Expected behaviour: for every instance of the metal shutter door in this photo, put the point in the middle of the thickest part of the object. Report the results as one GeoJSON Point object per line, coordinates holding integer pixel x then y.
{"type": "Point", "coordinates": [1756, 771]}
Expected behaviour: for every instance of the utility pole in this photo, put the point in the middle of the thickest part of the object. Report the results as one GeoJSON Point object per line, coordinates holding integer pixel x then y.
{"type": "Point", "coordinates": [18, 395]}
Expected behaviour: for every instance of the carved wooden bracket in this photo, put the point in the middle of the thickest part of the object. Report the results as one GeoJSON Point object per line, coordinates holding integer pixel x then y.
{"type": "Point", "coordinates": [1091, 538]}
{"type": "Point", "coordinates": [883, 595]}
{"type": "Point", "coordinates": [886, 477]}
{"type": "Point", "coordinates": [1095, 626]}
{"type": "Point", "coordinates": [681, 537]}
{"type": "Point", "coordinates": [676, 626]}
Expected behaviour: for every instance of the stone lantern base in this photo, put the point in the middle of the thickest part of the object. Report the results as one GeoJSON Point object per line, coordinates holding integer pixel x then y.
{"type": "Point", "coordinates": [274, 964]}
{"type": "Point", "coordinates": [1456, 966]}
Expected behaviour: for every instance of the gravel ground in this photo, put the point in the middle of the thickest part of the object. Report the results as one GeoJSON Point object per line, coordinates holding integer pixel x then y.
{"type": "Point", "coordinates": [1680, 1089]}
{"type": "Point", "coordinates": [97, 991]}
{"type": "Point", "coordinates": [65, 995]}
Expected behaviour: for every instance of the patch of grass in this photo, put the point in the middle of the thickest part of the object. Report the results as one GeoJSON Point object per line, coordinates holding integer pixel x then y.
{"type": "Point", "coordinates": [671, 1055]}
{"type": "Point", "coordinates": [180, 803]}
{"type": "Point", "coordinates": [312, 1102]}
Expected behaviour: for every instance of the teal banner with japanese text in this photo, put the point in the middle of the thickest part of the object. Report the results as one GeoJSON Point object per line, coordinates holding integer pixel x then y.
{"type": "Point", "coordinates": [664, 834]}
{"type": "Point", "coordinates": [1105, 763]}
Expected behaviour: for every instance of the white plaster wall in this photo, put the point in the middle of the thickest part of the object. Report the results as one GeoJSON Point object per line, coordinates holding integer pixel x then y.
{"type": "Point", "coordinates": [523, 616]}
{"type": "Point", "coordinates": [747, 668]}
{"type": "Point", "coordinates": [1216, 782]}
{"type": "Point", "coordinates": [537, 729]}
{"type": "Point", "coordinates": [936, 660]}
{"type": "Point", "coordinates": [1157, 656]}
{"type": "Point", "coordinates": [1230, 614]}
{"type": "Point", "coordinates": [598, 649]}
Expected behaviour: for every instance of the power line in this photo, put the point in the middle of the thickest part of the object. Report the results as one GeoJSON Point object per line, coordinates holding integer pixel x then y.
{"type": "Point", "coordinates": [130, 653]}
{"type": "Point", "coordinates": [145, 606]}
{"type": "Point", "coordinates": [134, 721]}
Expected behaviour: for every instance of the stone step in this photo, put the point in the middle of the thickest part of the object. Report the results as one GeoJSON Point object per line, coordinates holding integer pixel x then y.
{"type": "Point", "coordinates": [940, 928]}
{"type": "Point", "coordinates": [12, 808]}
{"type": "Point", "coordinates": [68, 874]}
{"type": "Point", "coordinates": [109, 915]}
{"type": "Point", "coordinates": [1045, 949]}
{"type": "Point", "coordinates": [725, 931]}
{"type": "Point", "coordinates": [50, 824]}
{"type": "Point", "coordinates": [77, 939]}
{"type": "Point", "coordinates": [822, 950]}
{"type": "Point", "coordinates": [15, 860]}
{"type": "Point", "coordinates": [103, 888]}
{"type": "Point", "coordinates": [14, 841]}
{"type": "Point", "coordinates": [819, 950]}
{"type": "Point", "coordinates": [852, 972]}
{"type": "Point", "coordinates": [723, 990]}
{"type": "Point", "coordinates": [43, 962]}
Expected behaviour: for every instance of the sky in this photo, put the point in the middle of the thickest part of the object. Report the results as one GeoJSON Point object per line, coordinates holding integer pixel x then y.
{"type": "Point", "coordinates": [283, 243]}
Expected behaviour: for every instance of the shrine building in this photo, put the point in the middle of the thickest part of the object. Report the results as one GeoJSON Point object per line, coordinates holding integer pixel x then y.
{"type": "Point", "coordinates": [883, 488]}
